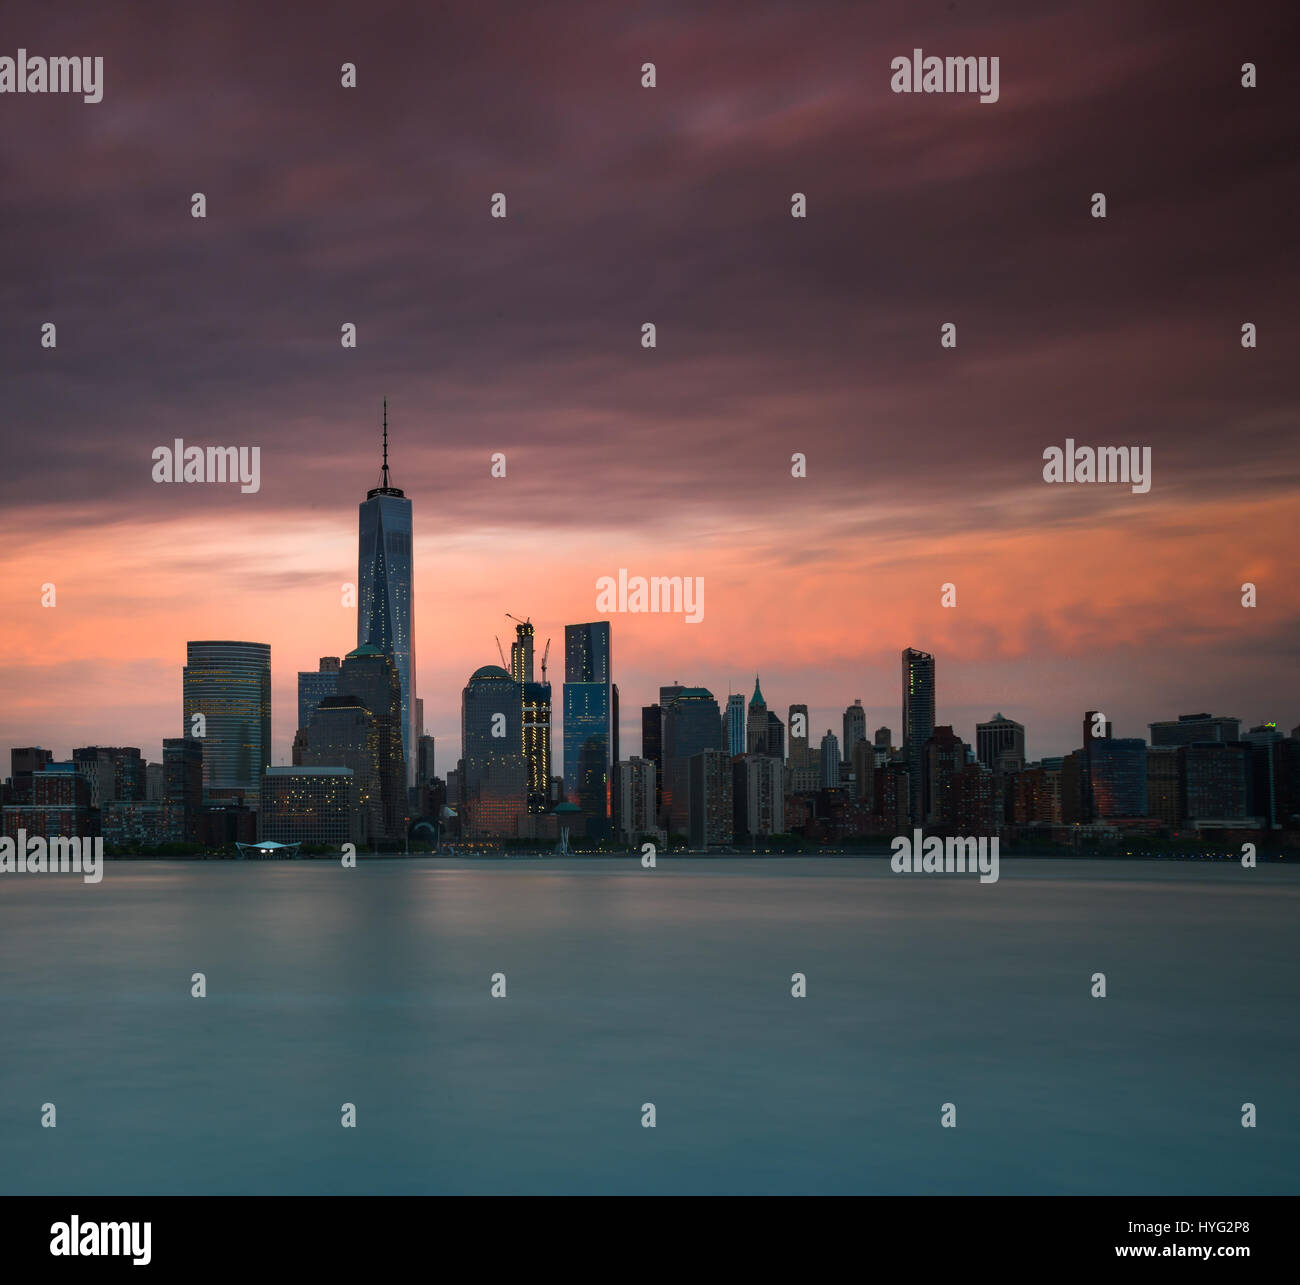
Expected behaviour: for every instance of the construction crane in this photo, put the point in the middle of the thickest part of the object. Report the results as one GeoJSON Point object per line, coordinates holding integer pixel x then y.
{"type": "Point", "coordinates": [528, 622]}
{"type": "Point", "coordinates": [502, 654]}
{"type": "Point", "coordinates": [546, 655]}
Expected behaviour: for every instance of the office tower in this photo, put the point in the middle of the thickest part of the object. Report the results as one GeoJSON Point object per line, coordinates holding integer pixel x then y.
{"type": "Point", "coordinates": [385, 599]}
{"type": "Point", "coordinates": [997, 737]}
{"type": "Point", "coordinates": [537, 742]}
{"type": "Point", "coordinates": [764, 731]}
{"type": "Point", "coordinates": [855, 729]}
{"type": "Point", "coordinates": [96, 765]}
{"type": "Point", "coordinates": [182, 769]}
{"type": "Point", "coordinates": [419, 725]}
{"type": "Point", "coordinates": [830, 758]}
{"type": "Point", "coordinates": [314, 685]}
{"type": "Point", "coordinates": [736, 737]}
{"type": "Point", "coordinates": [758, 803]}
{"type": "Point", "coordinates": [1117, 769]}
{"type": "Point", "coordinates": [1265, 785]}
{"type": "Point", "coordinates": [692, 724]}
{"type": "Point", "coordinates": [229, 683]}
{"type": "Point", "coordinates": [154, 781]}
{"type": "Point", "coordinates": [1095, 728]}
{"type": "Point", "coordinates": [918, 722]}
{"type": "Point", "coordinates": [864, 773]}
{"type": "Point", "coordinates": [652, 744]}
{"type": "Point", "coordinates": [120, 771]}
{"type": "Point", "coordinates": [709, 787]}
{"type": "Point", "coordinates": [369, 677]}
{"type": "Point", "coordinates": [883, 739]}
{"type": "Point", "coordinates": [344, 733]}
{"type": "Point", "coordinates": [799, 752]}
{"type": "Point", "coordinates": [588, 721]}
{"type": "Point", "coordinates": [1163, 794]}
{"type": "Point", "coordinates": [312, 805]}
{"type": "Point", "coordinates": [1213, 779]}
{"type": "Point", "coordinates": [756, 722]}
{"type": "Point", "coordinates": [494, 780]}
{"type": "Point", "coordinates": [22, 763]}
{"type": "Point", "coordinates": [1195, 727]}
{"type": "Point", "coordinates": [942, 759]}
{"type": "Point", "coordinates": [424, 768]}
{"type": "Point", "coordinates": [638, 807]}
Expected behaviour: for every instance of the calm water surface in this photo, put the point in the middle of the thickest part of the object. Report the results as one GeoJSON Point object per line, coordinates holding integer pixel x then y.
{"type": "Point", "coordinates": [670, 986]}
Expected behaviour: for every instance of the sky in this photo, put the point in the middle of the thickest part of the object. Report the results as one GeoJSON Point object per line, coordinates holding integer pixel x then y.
{"type": "Point", "coordinates": [775, 335]}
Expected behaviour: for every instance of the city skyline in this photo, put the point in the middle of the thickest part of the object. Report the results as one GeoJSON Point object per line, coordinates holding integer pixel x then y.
{"type": "Point", "coordinates": [522, 336]}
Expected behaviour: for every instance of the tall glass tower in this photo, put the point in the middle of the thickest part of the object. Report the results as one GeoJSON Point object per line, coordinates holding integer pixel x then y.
{"type": "Point", "coordinates": [918, 721]}
{"type": "Point", "coordinates": [229, 683]}
{"type": "Point", "coordinates": [385, 598]}
{"type": "Point", "coordinates": [588, 717]}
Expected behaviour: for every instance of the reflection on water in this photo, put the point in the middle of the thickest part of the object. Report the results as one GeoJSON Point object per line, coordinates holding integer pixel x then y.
{"type": "Point", "coordinates": [671, 986]}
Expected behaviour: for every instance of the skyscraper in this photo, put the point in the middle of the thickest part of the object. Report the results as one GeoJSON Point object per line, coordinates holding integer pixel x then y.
{"type": "Point", "coordinates": [494, 783]}
{"type": "Point", "coordinates": [1117, 771]}
{"type": "Point", "coordinates": [1000, 736]}
{"type": "Point", "coordinates": [229, 683]}
{"type": "Point", "coordinates": [314, 685]}
{"type": "Point", "coordinates": [855, 729]}
{"type": "Point", "coordinates": [799, 737]}
{"type": "Point", "coordinates": [588, 720]}
{"type": "Point", "coordinates": [918, 722]}
{"type": "Point", "coordinates": [344, 733]}
{"type": "Point", "coordinates": [692, 724]}
{"type": "Point", "coordinates": [385, 600]}
{"type": "Point", "coordinates": [1195, 727]}
{"type": "Point", "coordinates": [830, 757]}
{"type": "Point", "coordinates": [521, 652]}
{"type": "Point", "coordinates": [369, 675]}
{"type": "Point", "coordinates": [536, 732]}
{"type": "Point", "coordinates": [652, 748]}
{"type": "Point", "coordinates": [735, 716]}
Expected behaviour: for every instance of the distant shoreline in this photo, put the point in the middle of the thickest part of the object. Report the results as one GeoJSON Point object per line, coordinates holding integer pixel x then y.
{"type": "Point", "coordinates": [1217, 858]}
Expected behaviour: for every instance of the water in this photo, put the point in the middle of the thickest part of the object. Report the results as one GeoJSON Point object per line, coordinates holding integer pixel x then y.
{"type": "Point", "coordinates": [670, 986]}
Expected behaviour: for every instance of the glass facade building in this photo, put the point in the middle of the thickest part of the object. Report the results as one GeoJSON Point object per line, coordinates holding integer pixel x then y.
{"type": "Point", "coordinates": [369, 676]}
{"type": "Point", "coordinates": [385, 597]}
{"type": "Point", "coordinates": [692, 724]}
{"type": "Point", "coordinates": [314, 685]}
{"type": "Point", "coordinates": [588, 718]}
{"type": "Point", "coordinates": [736, 724]}
{"type": "Point", "coordinates": [1117, 767]}
{"type": "Point", "coordinates": [918, 722]}
{"type": "Point", "coordinates": [494, 782]}
{"type": "Point", "coordinates": [229, 683]}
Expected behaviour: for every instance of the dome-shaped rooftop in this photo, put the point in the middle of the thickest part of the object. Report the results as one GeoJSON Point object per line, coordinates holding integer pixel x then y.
{"type": "Point", "coordinates": [490, 671]}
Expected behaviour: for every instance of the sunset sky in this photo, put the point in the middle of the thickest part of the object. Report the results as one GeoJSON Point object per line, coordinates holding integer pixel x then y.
{"type": "Point", "coordinates": [521, 335]}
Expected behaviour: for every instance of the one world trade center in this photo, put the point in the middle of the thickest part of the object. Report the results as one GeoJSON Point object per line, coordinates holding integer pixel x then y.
{"type": "Point", "coordinates": [385, 602]}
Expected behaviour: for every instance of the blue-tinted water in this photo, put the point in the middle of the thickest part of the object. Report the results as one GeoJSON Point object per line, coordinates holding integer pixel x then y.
{"type": "Point", "coordinates": [672, 986]}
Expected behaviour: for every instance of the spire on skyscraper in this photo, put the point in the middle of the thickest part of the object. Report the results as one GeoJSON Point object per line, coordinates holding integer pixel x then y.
{"type": "Point", "coordinates": [757, 698]}
{"type": "Point", "coordinates": [384, 483]}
